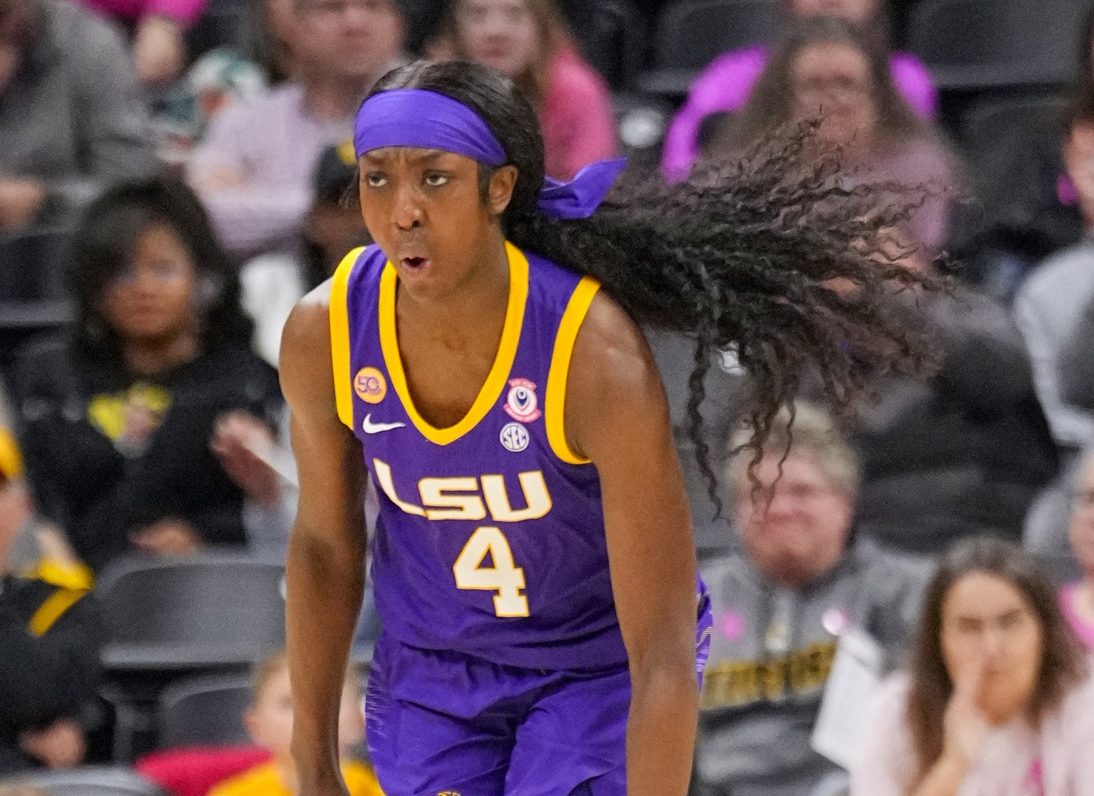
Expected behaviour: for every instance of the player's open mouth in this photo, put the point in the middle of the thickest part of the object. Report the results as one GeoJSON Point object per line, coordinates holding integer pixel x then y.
{"type": "Point", "coordinates": [415, 263]}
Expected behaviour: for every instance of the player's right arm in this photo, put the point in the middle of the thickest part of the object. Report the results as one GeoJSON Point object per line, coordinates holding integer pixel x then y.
{"type": "Point", "coordinates": [325, 567]}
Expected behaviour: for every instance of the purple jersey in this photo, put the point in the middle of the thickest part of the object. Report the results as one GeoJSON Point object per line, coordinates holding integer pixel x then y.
{"type": "Point", "coordinates": [490, 539]}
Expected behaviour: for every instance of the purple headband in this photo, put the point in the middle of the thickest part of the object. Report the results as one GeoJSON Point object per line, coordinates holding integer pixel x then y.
{"type": "Point", "coordinates": [412, 117]}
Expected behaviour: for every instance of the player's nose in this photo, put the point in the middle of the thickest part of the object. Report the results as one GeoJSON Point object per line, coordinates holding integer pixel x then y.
{"type": "Point", "coordinates": [407, 210]}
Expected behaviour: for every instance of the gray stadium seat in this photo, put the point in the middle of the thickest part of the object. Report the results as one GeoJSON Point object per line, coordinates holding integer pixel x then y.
{"type": "Point", "coordinates": [205, 611]}
{"type": "Point", "coordinates": [691, 33]}
{"type": "Point", "coordinates": [88, 781]}
{"type": "Point", "coordinates": [201, 711]}
{"type": "Point", "coordinates": [973, 45]}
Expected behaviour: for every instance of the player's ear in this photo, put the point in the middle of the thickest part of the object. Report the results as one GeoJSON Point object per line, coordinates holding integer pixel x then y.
{"type": "Point", "coordinates": [500, 190]}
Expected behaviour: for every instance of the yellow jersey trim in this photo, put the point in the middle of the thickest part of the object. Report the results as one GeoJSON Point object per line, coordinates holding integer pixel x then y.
{"type": "Point", "coordinates": [339, 337]}
{"type": "Point", "coordinates": [499, 371]}
{"type": "Point", "coordinates": [62, 574]}
{"type": "Point", "coordinates": [53, 609]}
{"type": "Point", "coordinates": [558, 375]}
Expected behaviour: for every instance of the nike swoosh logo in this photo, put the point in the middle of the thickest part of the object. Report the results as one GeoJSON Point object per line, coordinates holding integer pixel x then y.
{"type": "Point", "coordinates": [375, 428]}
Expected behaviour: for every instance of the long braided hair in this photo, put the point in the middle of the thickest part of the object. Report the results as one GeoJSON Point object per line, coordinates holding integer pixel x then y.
{"type": "Point", "coordinates": [767, 258]}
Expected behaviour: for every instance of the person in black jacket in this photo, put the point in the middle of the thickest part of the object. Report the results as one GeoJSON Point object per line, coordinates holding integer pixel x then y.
{"type": "Point", "coordinates": [50, 635]}
{"type": "Point", "coordinates": [119, 420]}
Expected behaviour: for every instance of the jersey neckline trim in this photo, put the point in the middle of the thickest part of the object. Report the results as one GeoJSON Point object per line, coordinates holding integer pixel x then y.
{"type": "Point", "coordinates": [495, 381]}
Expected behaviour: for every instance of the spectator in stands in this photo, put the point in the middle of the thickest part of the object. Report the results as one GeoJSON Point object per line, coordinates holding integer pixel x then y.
{"type": "Point", "coordinates": [1053, 310]}
{"type": "Point", "coordinates": [1031, 206]}
{"type": "Point", "coordinates": [273, 283]}
{"type": "Point", "coordinates": [269, 721]}
{"type": "Point", "coordinates": [996, 697]}
{"type": "Point", "coordinates": [828, 69]}
{"type": "Point", "coordinates": [780, 604]}
{"type": "Point", "coordinates": [118, 420]}
{"type": "Point", "coordinates": [72, 117]}
{"type": "Point", "coordinates": [50, 634]}
{"type": "Point", "coordinates": [528, 41]}
{"type": "Point", "coordinates": [1050, 305]}
{"type": "Point", "coordinates": [254, 165]}
{"type": "Point", "coordinates": [725, 86]}
{"type": "Point", "coordinates": [232, 73]}
{"type": "Point", "coordinates": [1077, 599]}
{"type": "Point", "coordinates": [158, 29]}
{"type": "Point", "coordinates": [967, 451]}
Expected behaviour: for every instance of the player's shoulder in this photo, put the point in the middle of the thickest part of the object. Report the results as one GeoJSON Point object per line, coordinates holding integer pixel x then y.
{"type": "Point", "coordinates": [609, 336]}
{"type": "Point", "coordinates": [612, 371]}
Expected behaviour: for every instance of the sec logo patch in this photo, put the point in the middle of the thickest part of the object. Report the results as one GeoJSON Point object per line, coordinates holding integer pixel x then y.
{"type": "Point", "coordinates": [370, 385]}
{"type": "Point", "coordinates": [514, 437]}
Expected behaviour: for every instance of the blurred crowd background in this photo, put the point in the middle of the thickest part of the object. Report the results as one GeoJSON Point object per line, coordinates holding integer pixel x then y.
{"type": "Point", "coordinates": [173, 178]}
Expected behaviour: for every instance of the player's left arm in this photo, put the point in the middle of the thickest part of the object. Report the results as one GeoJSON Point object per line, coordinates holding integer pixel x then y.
{"type": "Point", "coordinates": [617, 416]}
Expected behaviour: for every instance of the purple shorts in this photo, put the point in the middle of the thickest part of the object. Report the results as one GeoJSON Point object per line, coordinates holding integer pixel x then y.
{"type": "Point", "coordinates": [441, 723]}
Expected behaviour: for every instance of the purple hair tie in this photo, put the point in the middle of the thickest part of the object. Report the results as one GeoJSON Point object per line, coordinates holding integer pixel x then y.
{"type": "Point", "coordinates": [413, 117]}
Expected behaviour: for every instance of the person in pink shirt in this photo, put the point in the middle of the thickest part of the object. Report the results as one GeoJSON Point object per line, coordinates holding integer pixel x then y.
{"type": "Point", "coordinates": [996, 698]}
{"type": "Point", "coordinates": [159, 27]}
{"type": "Point", "coordinates": [726, 84]}
{"type": "Point", "coordinates": [527, 41]}
{"type": "Point", "coordinates": [1077, 599]}
{"type": "Point", "coordinates": [830, 71]}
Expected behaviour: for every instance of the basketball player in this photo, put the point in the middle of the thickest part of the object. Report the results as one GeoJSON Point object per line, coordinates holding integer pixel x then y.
{"type": "Point", "coordinates": [533, 562]}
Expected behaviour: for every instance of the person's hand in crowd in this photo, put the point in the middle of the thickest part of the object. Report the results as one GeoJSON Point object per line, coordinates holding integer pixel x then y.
{"type": "Point", "coordinates": [54, 546]}
{"type": "Point", "coordinates": [21, 199]}
{"type": "Point", "coordinates": [965, 725]}
{"type": "Point", "coordinates": [60, 745]}
{"type": "Point", "coordinates": [159, 50]}
{"type": "Point", "coordinates": [244, 445]}
{"type": "Point", "coordinates": [168, 537]}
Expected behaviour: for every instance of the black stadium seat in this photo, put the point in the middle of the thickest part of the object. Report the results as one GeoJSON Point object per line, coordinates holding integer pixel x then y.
{"type": "Point", "coordinates": [974, 45]}
{"type": "Point", "coordinates": [614, 41]}
{"type": "Point", "coordinates": [691, 33]}
{"type": "Point", "coordinates": [32, 280]}
{"type": "Point", "coordinates": [987, 120]}
{"type": "Point", "coordinates": [171, 618]}
{"type": "Point", "coordinates": [204, 711]}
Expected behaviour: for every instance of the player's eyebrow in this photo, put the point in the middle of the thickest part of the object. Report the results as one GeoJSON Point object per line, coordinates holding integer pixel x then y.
{"type": "Point", "coordinates": [381, 156]}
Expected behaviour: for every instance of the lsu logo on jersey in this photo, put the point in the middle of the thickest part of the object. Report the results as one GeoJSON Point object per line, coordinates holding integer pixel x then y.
{"type": "Point", "coordinates": [521, 403]}
{"type": "Point", "coordinates": [370, 385]}
{"type": "Point", "coordinates": [470, 498]}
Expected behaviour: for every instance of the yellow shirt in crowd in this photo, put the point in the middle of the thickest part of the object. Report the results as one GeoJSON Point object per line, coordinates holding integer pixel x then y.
{"type": "Point", "coordinates": [265, 781]}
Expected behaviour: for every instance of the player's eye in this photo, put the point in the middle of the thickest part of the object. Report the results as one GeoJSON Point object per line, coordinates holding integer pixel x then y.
{"type": "Point", "coordinates": [435, 179]}
{"type": "Point", "coordinates": [375, 179]}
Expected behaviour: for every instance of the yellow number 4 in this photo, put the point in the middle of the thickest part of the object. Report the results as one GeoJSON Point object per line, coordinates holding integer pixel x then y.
{"type": "Point", "coordinates": [504, 577]}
